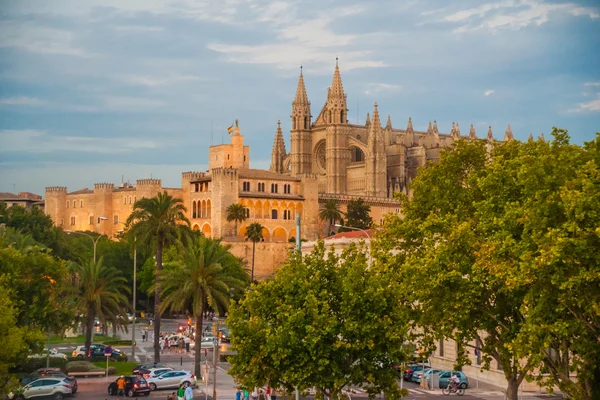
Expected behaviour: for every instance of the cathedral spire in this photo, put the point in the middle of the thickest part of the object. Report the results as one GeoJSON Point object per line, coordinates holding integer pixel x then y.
{"type": "Point", "coordinates": [368, 121]}
{"type": "Point", "coordinates": [335, 110]}
{"type": "Point", "coordinates": [376, 122]}
{"type": "Point", "coordinates": [278, 152]}
{"type": "Point", "coordinates": [508, 135]}
{"type": "Point", "coordinates": [301, 97]}
{"type": "Point", "coordinates": [455, 131]}
{"type": "Point", "coordinates": [530, 137]}
{"type": "Point", "coordinates": [409, 127]}
{"type": "Point", "coordinates": [490, 136]}
{"type": "Point", "coordinates": [337, 89]}
{"type": "Point", "coordinates": [388, 125]}
{"type": "Point", "coordinates": [472, 134]}
{"type": "Point", "coordinates": [435, 128]}
{"type": "Point", "coordinates": [429, 129]}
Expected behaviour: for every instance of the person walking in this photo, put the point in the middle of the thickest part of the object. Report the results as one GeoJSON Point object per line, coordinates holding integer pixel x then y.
{"type": "Point", "coordinates": [189, 394]}
{"type": "Point", "coordinates": [181, 392]}
{"type": "Point", "coordinates": [238, 394]}
{"type": "Point", "coordinates": [121, 387]}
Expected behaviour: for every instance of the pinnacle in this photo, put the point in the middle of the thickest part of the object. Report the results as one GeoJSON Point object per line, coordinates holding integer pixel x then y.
{"type": "Point", "coordinates": [301, 97]}
{"type": "Point", "coordinates": [429, 128]}
{"type": "Point", "coordinates": [368, 121]}
{"type": "Point", "coordinates": [472, 134]}
{"type": "Point", "coordinates": [376, 121]}
{"type": "Point", "coordinates": [490, 136]}
{"type": "Point", "coordinates": [508, 135]}
{"type": "Point", "coordinates": [409, 128]}
{"type": "Point", "coordinates": [435, 128]}
{"type": "Point", "coordinates": [388, 125]}
{"type": "Point", "coordinates": [337, 90]}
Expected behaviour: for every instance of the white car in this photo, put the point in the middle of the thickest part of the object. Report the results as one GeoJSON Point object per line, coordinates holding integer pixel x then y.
{"type": "Point", "coordinates": [48, 387]}
{"type": "Point", "coordinates": [205, 343]}
{"type": "Point", "coordinates": [53, 354]}
{"type": "Point", "coordinates": [79, 351]}
{"type": "Point", "coordinates": [156, 372]}
{"type": "Point", "coordinates": [172, 379]}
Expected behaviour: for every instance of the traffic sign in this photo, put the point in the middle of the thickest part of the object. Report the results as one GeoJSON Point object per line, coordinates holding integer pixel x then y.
{"type": "Point", "coordinates": [107, 351]}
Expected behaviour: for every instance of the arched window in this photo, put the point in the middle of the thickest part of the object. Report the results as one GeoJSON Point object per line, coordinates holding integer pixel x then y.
{"type": "Point", "coordinates": [68, 202]}
{"type": "Point", "coordinates": [81, 203]}
{"type": "Point", "coordinates": [194, 209]}
{"type": "Point", "coordinates": [74, 206]}
{"type": "Point", "coordinates": [342, 116]}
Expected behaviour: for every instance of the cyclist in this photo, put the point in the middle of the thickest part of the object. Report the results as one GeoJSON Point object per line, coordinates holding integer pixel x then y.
{"type": "Point", "coordinates": [455, 381]}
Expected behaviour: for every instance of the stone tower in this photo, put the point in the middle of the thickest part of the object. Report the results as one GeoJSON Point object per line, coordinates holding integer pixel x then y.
{"type": "Point", "coordinates": [224, 193]}
{"type": "Point", "coordinates": [56, 198]}
{"type": "Point", "coordinates": [376, 159]}
{"type": "Point", "coordinates": [337, 153]}
{"type": "Point", "coordinates": [278, 152]}
{"type": "Point", "coordinates": [300, 138]}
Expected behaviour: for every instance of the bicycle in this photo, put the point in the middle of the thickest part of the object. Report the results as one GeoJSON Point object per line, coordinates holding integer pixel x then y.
{"type": "Point", "coordinates": [453, 389]}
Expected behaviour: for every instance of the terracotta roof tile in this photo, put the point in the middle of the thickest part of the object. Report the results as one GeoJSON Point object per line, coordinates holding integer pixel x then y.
{"type": "Point", "coordinates": [352, 235]}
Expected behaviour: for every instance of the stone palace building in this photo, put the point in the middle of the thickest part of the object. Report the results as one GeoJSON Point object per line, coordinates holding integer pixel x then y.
{"type": "Point", "coordinates": [329, 158]}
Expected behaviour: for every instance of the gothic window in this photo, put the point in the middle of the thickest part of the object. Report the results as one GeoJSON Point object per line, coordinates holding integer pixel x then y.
{"type": "Point", "coordinates": [81, 203]}
{"type": "Point", "coordinates": [196, 187]}
{"type": "Point", "coordinates": [273, 214]}
{"type": "Point", "coordinates": [72, 220]}
{"type": "Point", "coordinates": [228, 156]}
{"type": "Point", "coordinates": [134, 199]}
{"type": "Point", "coordinates": [357, 155]}
{"type": "Point", "coordinates": [91, 220]}
{"type": "Point", "coordinates": [74, 203]}
{"type": "Point", "coordinates": [247, 211]}
{"type": "Point", "coordinates": [244, 158]}
{"type": "Point", "coordinates": [194, 209]}
{"type": "Point", "coordinates": [246, 186]}
{"type": "Point", "coordinates": [261, 186]}
{"type": "Point", "coordinates": [274, 188]}
{"type": "Point", "coordinates": [342, 116]}
{"type": "Point", "coordinates": [116, 220]}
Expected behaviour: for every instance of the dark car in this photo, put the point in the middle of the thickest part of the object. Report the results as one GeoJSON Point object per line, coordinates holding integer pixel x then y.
{"type": "Point", "coordinates": [97, 350]}
{"type": "Point", "coordinates": [225, 335]}
{"type": "Point", "coordinates": [134, 386]}
{"type": "Point", "coordinates": [144, 369]}
{"type": "Point", "coordinates": [411, 369]}
{"type": "Point", "coordinates": [50, 372]}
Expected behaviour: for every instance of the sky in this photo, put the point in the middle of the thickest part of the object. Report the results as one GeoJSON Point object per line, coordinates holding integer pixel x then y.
{"type": "Point", "coordinates": [109, 90]}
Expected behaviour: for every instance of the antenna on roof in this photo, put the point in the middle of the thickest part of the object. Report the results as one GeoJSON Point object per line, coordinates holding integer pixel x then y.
{"type": "Point", "coordinates": [212, 132]}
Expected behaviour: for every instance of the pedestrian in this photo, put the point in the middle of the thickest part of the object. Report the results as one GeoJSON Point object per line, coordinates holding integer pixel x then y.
{"type": "Point", "coordinates": [187, 341]}
{"type": "Point", "coordinates": [121, 387]}
{"type": "Point", "coordinates": [189, 394]}
{"type": "Point", "coordinates": [246, 394]}
{"type": "Point", "coordinates": [268, 393]}
{"type": "Point", "coordinates": [261, 395]}
{"type": "Point", "coordinates": [181, 392]}
{"type": "Point", "coordinates": [238, 394]}
{"type": "Point", "coordinates": [143, 335]}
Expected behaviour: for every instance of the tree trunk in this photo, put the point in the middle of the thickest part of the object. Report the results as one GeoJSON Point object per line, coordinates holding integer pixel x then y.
{"type": "Point", "coordinates": [198, 342]}
{"type": "Point", "coordinates": [253, 249]}
{"type": "Point", "coordinates": [512, 391]}
{"type": "Point", "coordinates": [157, 274]}
{"type": "Point", "coordinates": [89, 327]}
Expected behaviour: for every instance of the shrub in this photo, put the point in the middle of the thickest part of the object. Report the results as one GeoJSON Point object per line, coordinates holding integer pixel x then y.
{"type": "Point", "coordinates": [122, 358]}
{"type": "Point", "coordinates": [31, 364]}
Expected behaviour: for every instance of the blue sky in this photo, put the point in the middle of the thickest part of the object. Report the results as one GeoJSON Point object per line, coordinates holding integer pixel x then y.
{"type": "Point", "coordinates": [93, 90]}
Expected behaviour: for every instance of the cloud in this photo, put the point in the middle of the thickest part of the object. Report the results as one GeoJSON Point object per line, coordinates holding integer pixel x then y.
{"type": "Point", "coordinates": [132, 103]}
{"type": "Point", "coordinates": [513, 14]}
{"type": "Point", "coordinates": [154, 81]}
{"type": "Point", "coordinates": [591, 84]}
{"type": "Point", "coordinates": [21, 101]}
{"type": "Point", "coordinates": [379, 88]}
{"type": "Point", "coordinates": [593, 105]}
{"type": "Point", "coordinates": [138, 28]}
{"type": "Point", "coordinates": [37, 141]}
{"type": "Point", "coordinates": [488, 92]}
{"type": "Point", "coordinates": [37, 39]}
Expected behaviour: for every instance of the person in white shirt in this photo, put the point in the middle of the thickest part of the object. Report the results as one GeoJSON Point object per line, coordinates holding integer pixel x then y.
{"type": "Point", "coordinates": [189, 394]}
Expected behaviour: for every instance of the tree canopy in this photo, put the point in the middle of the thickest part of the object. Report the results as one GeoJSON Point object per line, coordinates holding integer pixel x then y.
{"type": "Point", "coordinates": [324, 322]}
{"type": "Point", "coordinates": [358, 214]}
{"type": "Point", "coordinates": [498, 249]}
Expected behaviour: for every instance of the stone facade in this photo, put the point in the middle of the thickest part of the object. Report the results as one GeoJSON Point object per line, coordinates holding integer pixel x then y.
{"type": "Point", "coordinates": [369, 161]}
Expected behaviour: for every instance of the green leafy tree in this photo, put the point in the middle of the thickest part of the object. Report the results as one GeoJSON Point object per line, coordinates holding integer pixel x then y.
{"type": "Point", "coordinates": [331, 213]}
{"type": "Point", "coordinates": [357, 214]}
{"type": "Point", "coordinates": [204, 275]}
{"type": "Point", "coordinates": [498, 249]}
{"type": "Point", "coordinates": [254, 233]}
{"type": "Point", "coordinates": [101, 293]}
{"type": "Point", "coordinates": [324, 322]}
{"type": "Point", "coordinates": [154, 222]}
{"type": "Point", "coordinates": [237, 213]}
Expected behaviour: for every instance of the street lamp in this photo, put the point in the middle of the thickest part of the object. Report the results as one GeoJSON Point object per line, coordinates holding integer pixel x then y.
{"type": "Point", "coordinates": [94, 241]}
{"type": "Point", "coordinates": [133, 305]}
{"type": "Point", "coordinates": [361, 230]}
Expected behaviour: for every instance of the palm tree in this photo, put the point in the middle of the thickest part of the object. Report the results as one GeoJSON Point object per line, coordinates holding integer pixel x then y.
{"type": "Point", "coordinates": [204, 276]}
{"type": "Point", "coordinates": [102, 293]}
{"type": "Point", "coordinates": [154, 221]}
{"type": "Point", "coordinates": [254, 233]}
{"type": "Point", "coordinates": [331, 213]}
{"type": "Point", "coordinates": [237, 213]}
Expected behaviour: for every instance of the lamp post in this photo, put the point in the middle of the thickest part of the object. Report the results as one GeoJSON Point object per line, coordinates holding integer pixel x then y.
{"type": "Point", "coordinates": [133, 305]}
{"type": "Point", "coordinates": [361, 230]}
{"type": "Point", "coordinates": [94, 241]}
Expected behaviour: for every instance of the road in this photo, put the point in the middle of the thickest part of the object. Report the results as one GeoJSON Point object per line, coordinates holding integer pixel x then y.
{"type": "Point", "coordinates": [96, 388]}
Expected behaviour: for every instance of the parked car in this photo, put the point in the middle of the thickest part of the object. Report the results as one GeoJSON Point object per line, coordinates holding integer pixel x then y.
{"type": "Point", "coordinates": [172, 379]}
{"type": "Point", "coordinates": [411, 369]}
{"type": "Point", "coordinates": [79, 352]}
{"type": "Point", "coordinates": [205, 343]}
{"type": "Point", "coordinates": [97, 350]}
{"type": "Point", "coordinates": [155, 372]}
{"type": "Point", "coordinates": [446, 375]}
{"type": "Point", "coordinates": [144, 369]}
{"type": "Point", "coordinates": [134, 386]}
{"type": "Point", "coordinates": [51, 373]}
{"type": "Point", "coordinates": [417, 376]}
{"type": "Point", "coordinates": [47, 387]}
{"type": "Point", "coordinates": [53, 354]}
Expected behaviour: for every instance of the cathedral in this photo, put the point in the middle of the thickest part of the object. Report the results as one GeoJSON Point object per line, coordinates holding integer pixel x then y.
{"type": "Point", "coordinates": [371, 161]}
